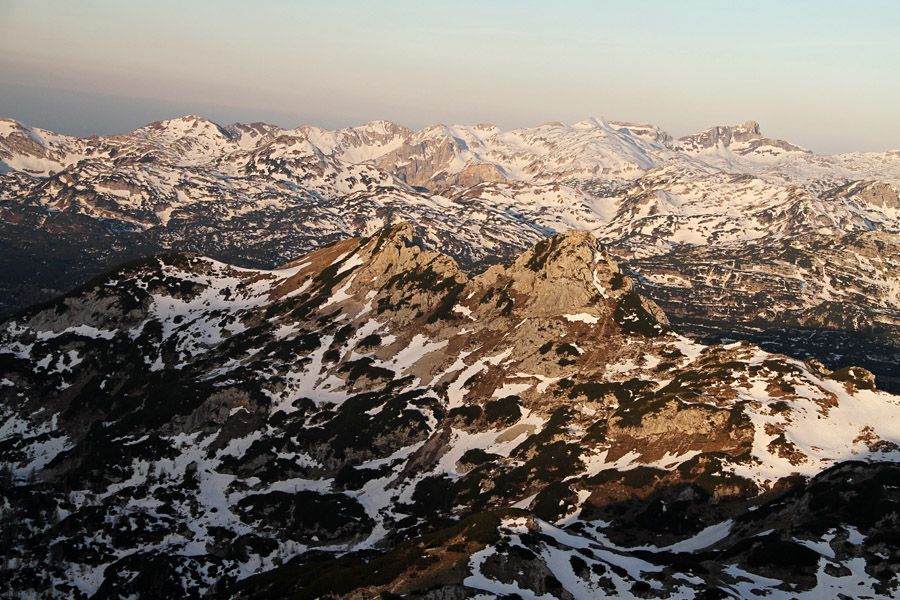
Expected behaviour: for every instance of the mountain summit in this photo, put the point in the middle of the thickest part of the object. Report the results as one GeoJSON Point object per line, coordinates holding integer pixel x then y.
{"type": "Point", "coordinates": [726, 204]}
{"type": "Point", "coordinates": [368, 419]}
{"type": "Point", "coordinates": [743, 139]}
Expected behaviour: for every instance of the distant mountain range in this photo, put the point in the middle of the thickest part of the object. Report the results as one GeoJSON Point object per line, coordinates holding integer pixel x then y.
{"type": "Point", "coordinates": [567, 361]}
{"type": "Point", "coordinates": [734, 234]}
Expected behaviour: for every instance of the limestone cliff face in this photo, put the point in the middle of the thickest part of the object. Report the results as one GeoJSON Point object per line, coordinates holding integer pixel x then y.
{"type": "Point", "coordinates": [745, 139]}
{"type": "Point", "coordinates": [474, 174]}
{"type": "Point", "coordinates": [876, 193]}
{"type": "Point", "coordinates": [417, 162]}
{"type": "Point", "coordinates": [431, 164]}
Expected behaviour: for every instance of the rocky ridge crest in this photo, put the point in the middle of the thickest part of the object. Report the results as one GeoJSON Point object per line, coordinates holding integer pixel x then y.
{"type": "Point", "coordinates": [369, 393]}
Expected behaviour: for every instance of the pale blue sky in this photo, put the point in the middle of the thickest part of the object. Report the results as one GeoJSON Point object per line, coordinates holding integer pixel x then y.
{"type": "Point", "coordinates": [822, 74]}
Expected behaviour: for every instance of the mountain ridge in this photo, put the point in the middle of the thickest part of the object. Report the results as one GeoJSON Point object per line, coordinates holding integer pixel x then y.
{"type": "Point", "coordinates": [333, 141]}
{"type": "Point", "coordinates": [481, 195]}
{"type": "Point", "coordinates": [371, 392]}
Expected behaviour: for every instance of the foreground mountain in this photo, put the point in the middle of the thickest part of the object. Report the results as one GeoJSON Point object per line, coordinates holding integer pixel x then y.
{"type": "Point", "coordinates": [727, 229]}
{"type": "Point", "coordinates": [371, 420]}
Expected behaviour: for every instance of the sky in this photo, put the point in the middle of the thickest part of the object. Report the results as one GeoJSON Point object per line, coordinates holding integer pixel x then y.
{"type": "Point", "coordinates": [824, 74]}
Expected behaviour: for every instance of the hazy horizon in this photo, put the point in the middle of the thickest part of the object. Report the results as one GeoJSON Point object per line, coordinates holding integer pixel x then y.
{"type": "Point", "coordinates": [818, 74]}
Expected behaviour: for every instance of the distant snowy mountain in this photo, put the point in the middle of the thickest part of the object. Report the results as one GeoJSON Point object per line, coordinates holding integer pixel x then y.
{"type": "Point", "coordinates": [743, 140]}
{"type": "Point", "coordinates": [726, 202]}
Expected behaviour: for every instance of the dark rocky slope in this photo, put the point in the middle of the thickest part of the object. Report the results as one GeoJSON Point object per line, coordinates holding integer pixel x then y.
{"type": "Point", "coordinates": [179, 424]}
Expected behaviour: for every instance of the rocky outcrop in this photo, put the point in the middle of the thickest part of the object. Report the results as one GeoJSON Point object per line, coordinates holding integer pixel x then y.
{"type": "Point", "coordinates": [874, 193]}
{"type": "Point", "coordinates": [808, 538]}
{"type": "Point", "coordinates": [370, 393]}
{"type": "Point", "coordinates": [743, 139]}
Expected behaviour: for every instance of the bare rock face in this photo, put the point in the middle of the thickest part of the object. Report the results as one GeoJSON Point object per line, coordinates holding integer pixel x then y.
{"type": "Point", "coordinates": [18, 142]}
{"type": "Point", "coordinates": [744, 139]}
{"type": "Point", "coordinates": [565, 274]}
{"type": "Point", "coordinates": [726, 135]}
{"type": "Point", "coordinates": [475, 174]}
{"type": "Point", "coordinates": [36, 151]}
{"type": "Point", "coordinates": [673, 428]}
{"type": "Point", "coordinates": [876, 193]}
{"type": "Point", "coordinates": [417, 162]}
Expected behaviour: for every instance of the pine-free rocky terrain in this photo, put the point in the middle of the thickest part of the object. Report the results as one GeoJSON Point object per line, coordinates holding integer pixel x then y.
{"type": "Point", "coordinates": [454, 363]}
{"type": "Point", "coordinates": [735, 235]}
{"type": "Point", "coordinates": [370, 420]}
